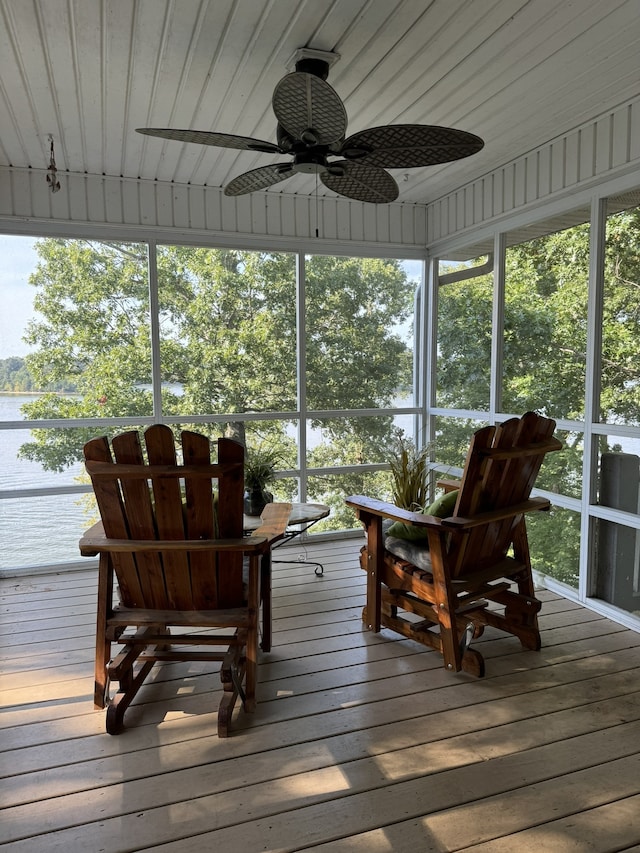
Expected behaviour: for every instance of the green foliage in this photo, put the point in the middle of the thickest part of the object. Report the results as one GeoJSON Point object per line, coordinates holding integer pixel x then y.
{"type": "Point", "coordinates": [452, 439]}
{"type": "Point", "coordinates": [331, 489]}
{"type": "Point", "coordinates": [620, 398]}
{"type": "Point", "coordinates": [544, 359]}
{"type": "Point", "coordinates": [464, 343]}
{"type": "Point", "coordinates": [353, 354]}
{"type": "Point", "coordinates": [410, 475]}
{"type": "Point", "coordinates": [260, 466]}
{"type": "Point", "coordinates": [16, 378]}
{"type": "Point", "coordinates": [545, 336]}
{"type": "Point", "coordinates": [228, 340]}
{"type": "Point", "coordinates": [228, 329]}
{"type": "Point", "coordinates": [554, 541]}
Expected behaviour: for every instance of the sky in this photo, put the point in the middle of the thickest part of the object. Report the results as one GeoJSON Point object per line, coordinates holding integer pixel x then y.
{"type": "Point", "coordinates": [16, 294]}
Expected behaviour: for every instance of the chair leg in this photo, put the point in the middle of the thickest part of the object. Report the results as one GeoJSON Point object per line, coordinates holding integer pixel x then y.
{"type": "Point", "coordinates": [232, 675]}
{"type": "Point", "coordinates": [522, 610]}
{"type": "Point", "coordinates": [122, 670]}
{"type": "Point", "coordinates": [451, 636]}
{"type": "Point", "coordinates": [265, 592]}
{"type": "Point", "coordinates": [225, 710]}
{"type": "Point", "coordinates": [472, 662]}
{"type": "Point", "coordinates": [129, 686]}
{"type": "Point", "coordinates": [239, 668]}
{"type": "Point", "coordinates": [251, 678]}
{"type": "Point", "coordinates": [371, 560]}
{"type": "Point", "coordinates": [251, 649]}
{"type": "Point", "coordinates": [520, 618]}
{"type": "Point", "coordinates": [103, 645]}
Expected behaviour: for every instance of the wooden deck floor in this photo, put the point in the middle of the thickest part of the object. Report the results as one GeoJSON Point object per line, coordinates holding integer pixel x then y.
{"type": "Point", "coordinates": [359, 743]}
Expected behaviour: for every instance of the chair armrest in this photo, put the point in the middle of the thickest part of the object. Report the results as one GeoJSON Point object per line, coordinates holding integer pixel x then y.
{"type": "Point", "coordinates": [382, 509]}
{"type": "Point", "coordinates": [90, 545]}
{"type": "Point", "coordinates": [448, 485]}
{"type": "Point", "coordinates": [532, 505]}
{"type": "Point", "coordinates": [275, 520]}
{"type": "Point", "coordinates": [90, 538]}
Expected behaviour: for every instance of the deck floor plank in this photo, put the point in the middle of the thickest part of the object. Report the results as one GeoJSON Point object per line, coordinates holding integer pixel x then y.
{"type": "Point", "coordinates": [360, 742]}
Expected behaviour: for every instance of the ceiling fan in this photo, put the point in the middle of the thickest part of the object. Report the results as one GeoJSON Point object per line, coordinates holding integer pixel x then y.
{"type": "Point", "coordinates": [312, 124]}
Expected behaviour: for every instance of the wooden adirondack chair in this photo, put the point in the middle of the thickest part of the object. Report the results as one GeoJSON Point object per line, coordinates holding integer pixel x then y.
{"type": "Point", "coordinates": [173, 534]}
{"type": "Point", "coordinates": [473, 560]}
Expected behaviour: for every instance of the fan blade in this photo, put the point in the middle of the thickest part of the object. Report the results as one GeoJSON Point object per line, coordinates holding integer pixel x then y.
{"type": "Point", "coordinates": [360, 181]}
{"type": "Point", "coordinates": [402, 146]}
{"type": "Point", "coordinates": [259, 179]}
{"type": "Point", "coordinates": [309, 109]}
{"type": "Point", "coordinates": [205, 137]}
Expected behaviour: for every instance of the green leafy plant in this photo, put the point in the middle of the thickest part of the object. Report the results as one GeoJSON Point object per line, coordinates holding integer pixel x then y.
{"type": "Point", "coordinates": [410, 475]}
{"type": "Point", "coordinates": [260, 467]}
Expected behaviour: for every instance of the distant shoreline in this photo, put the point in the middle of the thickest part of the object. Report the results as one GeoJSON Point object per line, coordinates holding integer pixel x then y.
{"type": "Point", "coordinates": [32, 393]}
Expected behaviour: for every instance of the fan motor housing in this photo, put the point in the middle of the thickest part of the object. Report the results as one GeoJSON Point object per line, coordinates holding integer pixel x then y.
{"type": "Point", "coordinates": [310, 163]}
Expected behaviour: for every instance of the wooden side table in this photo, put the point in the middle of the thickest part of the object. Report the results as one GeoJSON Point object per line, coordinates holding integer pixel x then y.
{"type": "Point", "coordinates": [303, 516]}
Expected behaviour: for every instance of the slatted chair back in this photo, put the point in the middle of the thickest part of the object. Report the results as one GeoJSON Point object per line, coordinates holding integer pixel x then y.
{"type": "Point", "coordinates": [476, 570]}
{"type": "Point", "coordinates": [501, 468]}
{"type": "Point", "coordinates": [148, 493]}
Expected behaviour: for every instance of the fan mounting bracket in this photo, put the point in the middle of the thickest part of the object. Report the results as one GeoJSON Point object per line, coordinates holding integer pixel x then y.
{"type": "Point", "coordinates": [311, 61]}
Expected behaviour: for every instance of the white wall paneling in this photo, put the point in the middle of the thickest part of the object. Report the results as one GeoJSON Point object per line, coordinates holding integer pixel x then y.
{"type": "Point", "coordinates": [145, 208]}
{"type": "Point", "coordinates": [600, 150]}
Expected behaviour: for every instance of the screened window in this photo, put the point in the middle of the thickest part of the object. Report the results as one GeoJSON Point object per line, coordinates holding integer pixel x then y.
{"type": "Point", "coordinates": [545, 322]}
{"type": "Point", "coordinates": [224, 352]}
{"type": "Point", "coordinates": [616, 544]}
{"type": "Point", "coordinates": [227, 330]}
{"type": "Point", "coordinates": [464, 335]}
{"type": "Point", "coordinates": [620, 382]}
{"type": "Point", "coordinates": [75, 348]}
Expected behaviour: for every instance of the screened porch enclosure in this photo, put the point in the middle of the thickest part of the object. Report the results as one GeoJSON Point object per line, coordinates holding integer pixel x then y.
{"type": "Point", "coordinates": [139, 291]}
{"type": "Point", "coordinates": [320, 359]}
{"type": "Point", "coordinates": [322, 327]}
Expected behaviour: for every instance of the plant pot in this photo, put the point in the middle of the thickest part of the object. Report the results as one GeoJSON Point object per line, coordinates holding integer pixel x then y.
{"type": "Point", "coordinates": [256, 500]}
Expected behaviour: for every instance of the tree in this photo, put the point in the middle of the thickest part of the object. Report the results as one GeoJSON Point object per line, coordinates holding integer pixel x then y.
{"type": "Point", "coordinates": [544, 358]}
{"type": "Point", "coordinates": [620, 382]}
{"type": "Point", "coordinates": [228, 341]}
{"type": "Point", "coordinates": [14, 376]}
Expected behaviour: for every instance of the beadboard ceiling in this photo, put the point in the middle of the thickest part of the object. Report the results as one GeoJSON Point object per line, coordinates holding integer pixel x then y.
{"type": "Point", "coordinates": [515, 72]}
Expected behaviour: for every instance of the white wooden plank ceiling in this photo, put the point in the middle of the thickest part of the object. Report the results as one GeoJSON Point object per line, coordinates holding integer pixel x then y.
{"type": "Point", "coordinates": [515, 72]}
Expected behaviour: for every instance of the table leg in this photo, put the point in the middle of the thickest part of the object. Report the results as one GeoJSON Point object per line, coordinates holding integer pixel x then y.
{"type": "Point", "coordinates": [319, 568]}
{"type": "Point", "coordinates": [293, 534]}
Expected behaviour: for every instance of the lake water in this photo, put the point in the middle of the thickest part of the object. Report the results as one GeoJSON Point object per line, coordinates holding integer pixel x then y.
{"type": "Point", "coordinates": [35, 531]}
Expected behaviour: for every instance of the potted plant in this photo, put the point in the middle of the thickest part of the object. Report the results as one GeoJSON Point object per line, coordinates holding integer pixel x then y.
{"type": "Point", "coordinates": [410, 475]}
{"type": "Point", "coordinates": [259, 471]}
